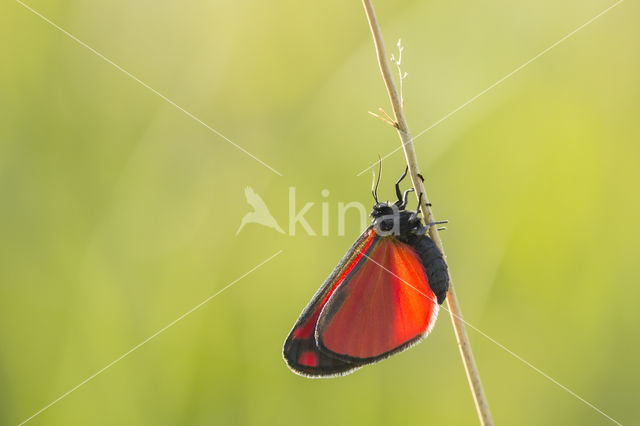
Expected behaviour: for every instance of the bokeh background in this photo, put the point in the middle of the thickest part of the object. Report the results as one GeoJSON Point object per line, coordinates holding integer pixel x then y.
{"type": "Point", "coordinates": [118, 212]}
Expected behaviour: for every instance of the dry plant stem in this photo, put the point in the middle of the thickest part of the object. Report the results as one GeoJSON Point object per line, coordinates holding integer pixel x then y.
{"type": "Point", "coordinates": [407, 144]}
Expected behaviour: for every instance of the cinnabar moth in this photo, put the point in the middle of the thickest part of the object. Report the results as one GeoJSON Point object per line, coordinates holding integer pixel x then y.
{"type": "Point", "coordinates": [381, 299]}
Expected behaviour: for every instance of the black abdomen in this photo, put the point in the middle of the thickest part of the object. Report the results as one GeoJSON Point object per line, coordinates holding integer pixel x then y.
{"type": "Point", "coordinates": [434, 265]}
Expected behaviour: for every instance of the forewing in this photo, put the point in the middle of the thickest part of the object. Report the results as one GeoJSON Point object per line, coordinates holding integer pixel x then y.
{"type": "Point", "coordinates": [300, 351]}
{"type": "Point", "coordinates": [382, 307]}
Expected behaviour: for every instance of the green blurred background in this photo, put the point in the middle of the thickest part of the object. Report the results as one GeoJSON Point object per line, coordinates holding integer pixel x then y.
{"type": "Point", "coordinates": [118, 212]}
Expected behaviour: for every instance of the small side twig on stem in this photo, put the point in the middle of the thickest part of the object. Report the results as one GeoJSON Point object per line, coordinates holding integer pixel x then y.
{"type": "Point", "coordinates": [464, 345]}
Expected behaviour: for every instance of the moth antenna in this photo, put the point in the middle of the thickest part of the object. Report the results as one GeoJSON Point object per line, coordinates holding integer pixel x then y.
{"type": "Point", "coordinates": [374, 188]}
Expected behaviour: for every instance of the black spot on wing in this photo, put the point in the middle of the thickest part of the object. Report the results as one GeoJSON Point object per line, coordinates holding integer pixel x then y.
{"type": "Point", "coordinates": [326, 366]}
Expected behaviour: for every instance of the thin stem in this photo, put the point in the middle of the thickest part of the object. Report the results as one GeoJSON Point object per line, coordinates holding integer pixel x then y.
{"type": "Point", "coordinates": [464, 345]}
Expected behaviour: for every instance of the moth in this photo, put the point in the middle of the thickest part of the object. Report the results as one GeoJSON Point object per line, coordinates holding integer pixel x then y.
{"type": "Point", "coordinates": [382, 298]}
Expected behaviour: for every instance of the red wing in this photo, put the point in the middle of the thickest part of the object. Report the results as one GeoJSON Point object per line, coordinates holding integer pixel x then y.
{"type": "Point", "coordinates": [383, 306]}
{"type": "Point", "coordinates": [300, 349]}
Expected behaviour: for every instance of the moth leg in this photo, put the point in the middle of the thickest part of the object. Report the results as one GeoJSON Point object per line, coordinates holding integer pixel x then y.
{"type": "Point", "coordinates": [398, 192]}
{"type": "Point", "coordinates": [406, 198]}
